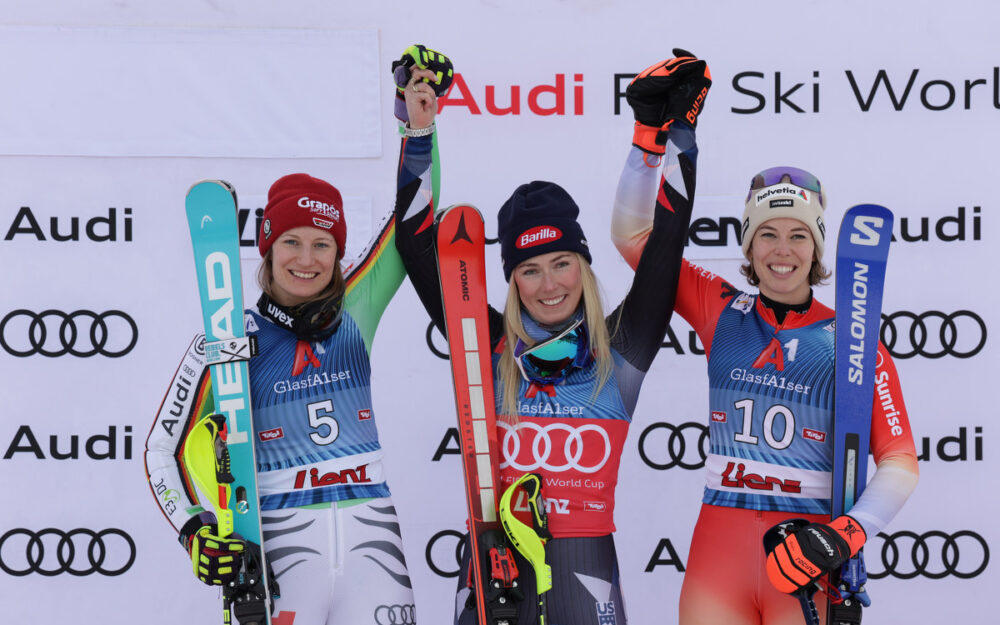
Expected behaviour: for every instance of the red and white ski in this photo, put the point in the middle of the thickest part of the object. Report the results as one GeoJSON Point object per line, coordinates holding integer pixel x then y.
{"type": "Point", "coordinates": [461, 243]}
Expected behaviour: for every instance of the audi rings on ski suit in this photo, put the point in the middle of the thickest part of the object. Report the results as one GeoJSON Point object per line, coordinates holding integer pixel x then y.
{"type": "Point", "coordinates": [66, 553]}
{"type": "Point", "coordinates": [542, 447]}
{"type": "Point", "coordinates": [396, 615]}
{"type": "Point", "coordinates": [67, 333]}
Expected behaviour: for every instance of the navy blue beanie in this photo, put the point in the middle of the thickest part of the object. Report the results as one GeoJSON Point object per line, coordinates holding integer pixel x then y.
{"type": "Point", "coordinates": [538, 218]}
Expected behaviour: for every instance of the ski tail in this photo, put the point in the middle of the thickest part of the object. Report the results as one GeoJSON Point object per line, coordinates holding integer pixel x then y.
{"type": "Point", "coordinates": [461, 245]}
{"type": "Point", "coordinates": [862, 253]}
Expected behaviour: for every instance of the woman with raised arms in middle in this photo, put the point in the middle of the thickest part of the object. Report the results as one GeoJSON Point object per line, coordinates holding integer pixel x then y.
{"type": "Point", "coordinates": [564, 372]}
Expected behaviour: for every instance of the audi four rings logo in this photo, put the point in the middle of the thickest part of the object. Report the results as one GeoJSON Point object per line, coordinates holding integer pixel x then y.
{"type": "Point", "coordinates": [933, 334]}
{"type": "Point", "coordinates": [433, 553]}
{"type": "Point", "coordinates": [78, 552]}
{"type": "Point", "coordinates": [686, 446]}
{"type": "Point", "coordinates": [396, 615]}
{"type": "Point", "coordinates": [933, 554]}
{"type": "Point", "coordinates": [566, 456]}
{"type": "Point", "coordinates": [81, 333]}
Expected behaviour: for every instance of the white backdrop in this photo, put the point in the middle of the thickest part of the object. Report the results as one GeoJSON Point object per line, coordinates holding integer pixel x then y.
{"type": "Point", "coordinates": [112, 109]}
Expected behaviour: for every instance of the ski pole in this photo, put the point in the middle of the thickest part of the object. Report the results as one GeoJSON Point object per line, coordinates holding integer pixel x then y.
{"type": "Point", "coordinates": [808, 604]}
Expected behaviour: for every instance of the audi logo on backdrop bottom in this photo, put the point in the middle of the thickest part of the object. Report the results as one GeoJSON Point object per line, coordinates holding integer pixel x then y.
{"type": "Point", "coordinates": [934, 554]}
{"type": "Point", "coordinates": [79, 552]}
{"type": "Point", "coordinates": [81, 333]}
{"type": "Point", "coordinates": [933, 334]}
{"type": "Point", "coordinates": [686, 446]}
{"type": "Point", "coordinates": [435, 552]}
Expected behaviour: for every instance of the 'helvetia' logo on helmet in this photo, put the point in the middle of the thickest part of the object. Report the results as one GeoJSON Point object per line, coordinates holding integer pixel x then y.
{"type": "Point", "coordinates": [537, 236]}
{"type": "Point", "coordinates": [779, 190]}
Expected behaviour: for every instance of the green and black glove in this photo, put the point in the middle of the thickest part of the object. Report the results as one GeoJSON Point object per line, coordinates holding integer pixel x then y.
{"type": "Point", "coordinates": [216, 560]}
{"type": "Point", "coordinates": [423, 58]}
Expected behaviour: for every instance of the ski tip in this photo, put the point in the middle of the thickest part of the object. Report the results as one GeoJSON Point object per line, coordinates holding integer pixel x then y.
{"type": "Point", "coordinates": [865, 220]}
{"type": "Point", "coordinates": [458, 208]}
{"type": "Point", "coordinates": [211, 184]}
{"type": "Point", "coordinates": [869, 209]}
{"type": "Point", "coordinates": [460, 222]}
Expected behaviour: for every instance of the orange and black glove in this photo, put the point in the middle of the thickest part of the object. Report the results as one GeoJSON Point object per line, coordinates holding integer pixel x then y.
{"type": "Point", "coordinates": [800, 552]}
{"type": "Point", "coordinates": [664, 92]}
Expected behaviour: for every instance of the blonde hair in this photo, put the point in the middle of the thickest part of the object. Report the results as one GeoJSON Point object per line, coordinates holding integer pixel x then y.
{"type": "Point", "coordinates": [593, 317]}
{"type": "Point", "coordinates": [334, 290]}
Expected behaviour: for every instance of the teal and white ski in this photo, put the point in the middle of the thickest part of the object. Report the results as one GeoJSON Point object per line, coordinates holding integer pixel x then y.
{"type": "Point", "coordinates": [212, 217]}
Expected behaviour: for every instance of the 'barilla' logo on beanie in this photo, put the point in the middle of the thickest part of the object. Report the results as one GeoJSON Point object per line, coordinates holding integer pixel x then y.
{"type": "Point", "coordinates": [538, 236]}
{"type": "Point", "coordinates": [327, 210]}
{"type": "Point", "coordinates": [786, 190]}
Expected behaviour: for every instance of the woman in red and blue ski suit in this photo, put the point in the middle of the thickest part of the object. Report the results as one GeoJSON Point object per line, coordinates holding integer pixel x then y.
{"type": "Point", "coordinates": [770, 368]}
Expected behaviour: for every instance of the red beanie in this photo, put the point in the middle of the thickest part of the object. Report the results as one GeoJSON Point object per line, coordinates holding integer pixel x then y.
{"type": "Point", "coordinates": [301, 200]}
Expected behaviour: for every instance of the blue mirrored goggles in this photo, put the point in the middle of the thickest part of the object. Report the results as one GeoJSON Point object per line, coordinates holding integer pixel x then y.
{"type": "Point", "coordinates": [551, 360]}
{"type": "Point", "coordinates": [793, 175]}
